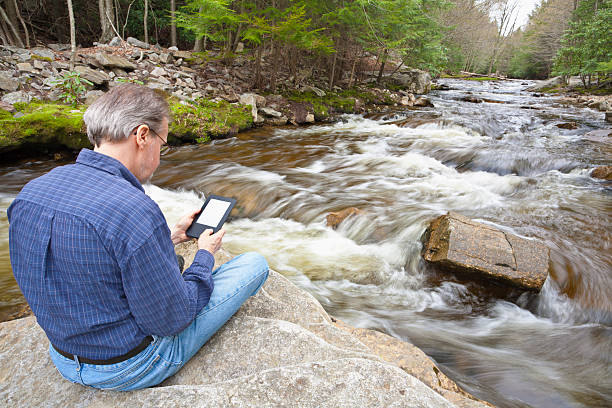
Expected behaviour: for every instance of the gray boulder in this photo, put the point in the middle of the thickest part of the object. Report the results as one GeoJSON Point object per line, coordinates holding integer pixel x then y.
{"type": "Point", "coordinates": [16, 97]}
{"type": "Point", "coordinates": [413, 80]}
{"type": "Point", "coordinates": [280, 348]}
{"type": "Point", "coordinates": [114, 61]}
{"type": "Point", "coordinates": [43, 52]}
{"type": "Point", "coordinates": [7, 82]}
{"type": "Point", "coordinates": [137, 43]}
{"type": "Point", "coordinates": [549, 83]}
{"type": "Point", "coordinates": [95, 76]}
{"type": "Point", "coordinates": [25, 67]}
{"type": "Point", "coordinates": [458, 244]}
{"type": "Point", "coordinates": [115, 42]}
{"type": "Point", "coordinates": [269, 112]}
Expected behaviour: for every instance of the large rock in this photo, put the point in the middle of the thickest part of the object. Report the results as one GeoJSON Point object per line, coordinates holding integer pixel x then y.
{"type": "Point", "coordinates": [461, 245]}
{"type": "Point", "coordinates": [609, 116]}
{"type": "Point", "coordinates": [137, 43]}
{"type": "Point", "coordinates": [280, 349]}
{"type": "Point", "coordinates": [95, 76]}
{"type": "Point", "coordinates": [8, 82]}
{"type": "Point", "coordinates": [16, 97]}
{"type": "Point", "coordinates": [602, 172]}
{"type": "Point", "coordinates": [114, 61]}
{"type": "Point", "coordinates": [550, 83]}
{"type": "Point", "coordinates": [414, 80]}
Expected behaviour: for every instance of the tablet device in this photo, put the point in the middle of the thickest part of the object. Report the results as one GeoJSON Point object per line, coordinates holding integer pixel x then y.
{"type": "Point", "coordinates": [212, 216]}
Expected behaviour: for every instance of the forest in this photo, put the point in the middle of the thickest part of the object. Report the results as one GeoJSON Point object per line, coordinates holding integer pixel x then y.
{"type": "Point", "coordinates": [332, 37]}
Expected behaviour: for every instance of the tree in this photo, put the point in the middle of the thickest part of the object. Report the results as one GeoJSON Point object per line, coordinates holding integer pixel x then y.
{"type": "Point", "coordinates": [146, 21]}
{"type": "Point", "coordinates": [173, 23]}
{"type": "Point", "coordinates": [587, 44]}
{"type": "Point", "coordinates": [10, 20]}
{"type": "Point", "coordinates": [107, 12]}
{"type": "Point", "coordinates": [72, 34]}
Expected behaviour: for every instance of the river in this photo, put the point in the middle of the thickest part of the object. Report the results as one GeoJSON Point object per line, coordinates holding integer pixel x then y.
{"type": "Point", "coordinates": [506, 164]}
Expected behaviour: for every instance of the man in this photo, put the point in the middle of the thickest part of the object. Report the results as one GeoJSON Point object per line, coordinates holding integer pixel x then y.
{"type": "Point", "coordinates": [95, 260]}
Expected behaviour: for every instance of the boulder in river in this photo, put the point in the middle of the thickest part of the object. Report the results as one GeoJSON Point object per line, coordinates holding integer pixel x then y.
{"type": "Point", "coordinates": [550, 83]}
{"type": "Point", "coordinates": [602, 172]}
{"type": "Point", "coordinates": [335, 218]}
{"type": "Point", "coordinates": [568, 125]}
{"type": "Point", "coordinates": [471, 99]}
{"type": "Point", "coordinates": [281, 348]}
{"type": "Point", "coordinates": [458, 244]}
{"type": "Point", "coordinates": [413, 80]}
{"type": "Point", "coordinates": [609, 116]}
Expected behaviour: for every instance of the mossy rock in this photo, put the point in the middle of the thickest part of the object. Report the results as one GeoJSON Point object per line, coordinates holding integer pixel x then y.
{"type": "Point", "coordinates": [206, 119]}
{"type": "Point", "coordinates": [43, 124]}
{"type": "Point", "coordinates": [324, 106]}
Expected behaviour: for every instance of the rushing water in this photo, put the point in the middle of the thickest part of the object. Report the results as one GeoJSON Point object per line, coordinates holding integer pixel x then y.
{"type": "Point", "coordinates": [505, 164]}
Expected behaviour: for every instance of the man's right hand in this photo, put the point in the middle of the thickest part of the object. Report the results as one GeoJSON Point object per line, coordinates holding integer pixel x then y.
{"type": "Point", "coordinates": [211, 242]}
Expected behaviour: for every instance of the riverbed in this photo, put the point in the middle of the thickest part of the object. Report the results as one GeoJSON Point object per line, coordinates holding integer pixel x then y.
{"type": "Point", "coordinates": [504, 163]}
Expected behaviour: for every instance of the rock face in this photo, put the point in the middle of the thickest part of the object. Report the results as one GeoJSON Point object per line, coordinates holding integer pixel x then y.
{"type": "Point", "coordinates": [461, 245]}
{"type": "Point", "coordinates": [280, 349]}
{"type": "Point", "coordinates": [414, 80]}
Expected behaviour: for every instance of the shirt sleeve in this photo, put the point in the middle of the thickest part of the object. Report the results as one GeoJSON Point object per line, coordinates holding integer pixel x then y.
{"type": "Point", "coordinates": [163, 301]}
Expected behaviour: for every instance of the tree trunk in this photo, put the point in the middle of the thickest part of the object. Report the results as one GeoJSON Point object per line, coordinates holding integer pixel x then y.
{"type": "Point", "coordinates": [333, 72]}
{"type": "Point", "coordinates": [13, 31]}
{"type": "Point", "coordinates": [106, 9]}
{"type": "Point", "coordinates": [72, 34]}
{"type": "Point", "coordinates": [258, 67]}
{"type": "Point", "coordinates": [23, 24]}
{"type": "Point", "coordinates": [145, 21]}
{"type": "Point", "coordinates": [172, 23]}
{"type": "Point", "coordinates": [382, 66]}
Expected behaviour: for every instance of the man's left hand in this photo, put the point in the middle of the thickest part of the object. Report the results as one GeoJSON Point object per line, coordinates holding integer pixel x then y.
{"type": "Point", "coordinates": [179, 231]}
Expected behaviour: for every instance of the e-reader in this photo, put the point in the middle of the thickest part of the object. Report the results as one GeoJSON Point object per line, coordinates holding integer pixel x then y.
{"type": "Point", "coordinates": [212, 216]}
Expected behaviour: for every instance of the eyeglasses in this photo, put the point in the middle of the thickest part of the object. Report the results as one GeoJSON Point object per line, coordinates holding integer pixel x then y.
{"type": "Point", "coordinates": [164, 148]}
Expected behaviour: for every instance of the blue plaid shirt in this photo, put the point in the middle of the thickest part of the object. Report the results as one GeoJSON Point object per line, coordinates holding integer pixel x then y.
{"type": "Point", "coordinates": [92, 255]}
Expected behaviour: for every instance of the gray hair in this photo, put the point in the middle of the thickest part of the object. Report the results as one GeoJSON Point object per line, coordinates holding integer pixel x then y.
{"type": "Point", "coordinates": [114, 115]}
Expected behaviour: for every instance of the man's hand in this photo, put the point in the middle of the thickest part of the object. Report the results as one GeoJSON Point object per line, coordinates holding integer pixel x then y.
{"type": "Point", "coordinates": [211, 242]}
{"type": "Point", "coordinates": [178, 232]}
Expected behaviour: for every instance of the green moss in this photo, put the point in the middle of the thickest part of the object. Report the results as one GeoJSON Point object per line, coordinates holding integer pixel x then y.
{"type": "Point", "coordinates": [44, 124]}
{"type": "Point", "coordinates": [38, 57]}
{"type": "Point", "coordinates": [206, 119]}
{"type": "Point", "coordinates": [323, 106]}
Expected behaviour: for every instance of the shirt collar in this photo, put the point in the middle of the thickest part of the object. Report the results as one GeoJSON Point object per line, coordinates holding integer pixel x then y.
{"type": "Point", "coordinates": [108, 164]}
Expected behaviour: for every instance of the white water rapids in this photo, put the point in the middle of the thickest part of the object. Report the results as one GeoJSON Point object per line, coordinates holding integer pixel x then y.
{"type": "Point", "coordinates": [501, 164]}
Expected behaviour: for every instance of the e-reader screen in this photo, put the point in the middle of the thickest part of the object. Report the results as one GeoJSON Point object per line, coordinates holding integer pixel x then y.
{"type": "Point", "coordinates": [213, 213]}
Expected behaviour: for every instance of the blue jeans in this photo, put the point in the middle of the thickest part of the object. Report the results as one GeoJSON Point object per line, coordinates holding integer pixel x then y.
{"type": "Point", "coordinates": [234, 282]}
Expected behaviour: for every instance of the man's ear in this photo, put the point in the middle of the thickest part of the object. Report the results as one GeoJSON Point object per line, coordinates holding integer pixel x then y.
{"type": "Point", "coordinates": [141, 136]}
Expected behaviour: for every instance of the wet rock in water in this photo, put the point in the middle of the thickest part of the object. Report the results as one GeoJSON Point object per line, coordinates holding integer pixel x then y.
{"type": "Point", "coordinates": [423, 102]}
{"type": "Point", "coordinates": [556, 81]}
{"type": "Point", "coordinates": [568, 125]}
{"type": "Point", "coordinates": [281, 346]}
{"type": "Point", "coordinates": [609, 116]}
{"type": "Point", "coordinates": [335, 219]}
{"type": "Point", "coordinates": [458, 244]}
{"type": "Point", "coordinates": [599, 135]}
{"type": "Point", "coordinates": [413, 80]}
{"type": "Point", "coordinates": [602, 172]}
{"type": "Point", "coordinates": [471, 99]}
